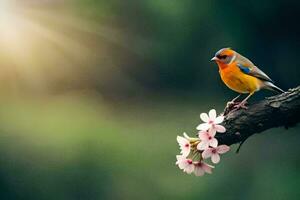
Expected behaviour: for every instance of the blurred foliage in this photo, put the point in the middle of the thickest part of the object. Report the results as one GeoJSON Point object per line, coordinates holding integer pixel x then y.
{"type": "Point", "coordinates": [94, 92]}
{"type": "Point", "coordinates": [77, 149]}
{"type": "Point", "coordinates": [121, 48]}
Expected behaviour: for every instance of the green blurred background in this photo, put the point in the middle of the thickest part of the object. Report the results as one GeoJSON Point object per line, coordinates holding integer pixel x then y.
{"type": "Point", "coordinates": [93, 94]}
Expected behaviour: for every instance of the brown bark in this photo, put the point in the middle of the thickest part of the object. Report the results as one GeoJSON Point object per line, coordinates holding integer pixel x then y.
{"type": "Point", "coordinates": [275, 111]}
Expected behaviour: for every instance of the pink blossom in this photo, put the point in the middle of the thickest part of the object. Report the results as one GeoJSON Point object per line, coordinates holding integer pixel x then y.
{"type": "Point", "coordinates": [211, 121]}
{"type": "Point", "coordinates": [184, 144]}
{"type": "Point", "coordinates": [201, 168]}
{"type": "Point", "coordinates": [207, 139]}
{"type": "Point", "coordinates": [185, 164]}
{"type": "Point", "coordinates": [214, 153]}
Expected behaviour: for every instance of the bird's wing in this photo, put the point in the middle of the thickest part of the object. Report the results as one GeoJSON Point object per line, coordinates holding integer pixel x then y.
{"type": "Point", "coordinates": [254, 71]}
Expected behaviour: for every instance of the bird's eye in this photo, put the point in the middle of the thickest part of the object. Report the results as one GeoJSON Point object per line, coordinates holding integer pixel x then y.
{"type": "Point", "coordinates": [222, 57]}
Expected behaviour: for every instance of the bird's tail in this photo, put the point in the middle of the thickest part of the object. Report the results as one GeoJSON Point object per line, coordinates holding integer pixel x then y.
{"type": "Point", "coordinates": [270, 86]}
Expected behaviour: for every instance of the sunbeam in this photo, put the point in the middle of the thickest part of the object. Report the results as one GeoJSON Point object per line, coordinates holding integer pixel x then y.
{"type": "Point", "coordinates": [41, 44]}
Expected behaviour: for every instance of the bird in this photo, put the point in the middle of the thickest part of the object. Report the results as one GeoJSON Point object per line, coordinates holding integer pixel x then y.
{"type": "Point", "coordinates": [241, 75]}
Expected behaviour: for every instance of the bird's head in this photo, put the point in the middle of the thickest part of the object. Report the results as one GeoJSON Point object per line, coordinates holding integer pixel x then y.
{"type": "Point", "coordinates": [224, 56]}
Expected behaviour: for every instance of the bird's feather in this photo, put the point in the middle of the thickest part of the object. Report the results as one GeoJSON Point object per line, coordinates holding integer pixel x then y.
{"type": "Point", "coordinates": [271, 86]}
{"type": "Point", "coordinates": [254, 71]}
{"type": "Point", "coordinates": [247, 67]}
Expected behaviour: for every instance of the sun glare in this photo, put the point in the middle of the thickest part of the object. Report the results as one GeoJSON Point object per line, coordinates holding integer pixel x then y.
{"type": "Point", "coordinates": [45, 42]}
{"type": "Point", "coordinates": [10, 26]}
{"type": "Point", "coordinates": [28, 45]}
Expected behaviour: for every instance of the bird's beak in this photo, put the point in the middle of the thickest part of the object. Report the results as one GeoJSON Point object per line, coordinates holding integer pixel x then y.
{"type": "Point", "coordinates": [214, 58]}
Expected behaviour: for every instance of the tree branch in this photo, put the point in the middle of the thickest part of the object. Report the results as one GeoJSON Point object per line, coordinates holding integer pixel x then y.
{"type": "Point", "coordinates": [279, 110]}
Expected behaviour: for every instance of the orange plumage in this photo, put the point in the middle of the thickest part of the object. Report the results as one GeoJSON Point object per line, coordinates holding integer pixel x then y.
{"type": "Point", "coordinates": [238, 81]}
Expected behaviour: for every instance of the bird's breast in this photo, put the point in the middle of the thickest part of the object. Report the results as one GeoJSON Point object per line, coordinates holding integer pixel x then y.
{"type": "Point", "coordinates": [238, 81]}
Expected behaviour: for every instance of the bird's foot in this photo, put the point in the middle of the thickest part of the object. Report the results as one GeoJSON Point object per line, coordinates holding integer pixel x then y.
{"type": "Point", "coordinates": [230, 106]}
{"type": "Point", "coordinates": [234, 106]}
{"type": "Point", "coordinates": [241, 105]}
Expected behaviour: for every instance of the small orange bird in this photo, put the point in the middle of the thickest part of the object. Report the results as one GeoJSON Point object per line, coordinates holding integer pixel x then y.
{"type": "Point", "coordinates": [241, 75]}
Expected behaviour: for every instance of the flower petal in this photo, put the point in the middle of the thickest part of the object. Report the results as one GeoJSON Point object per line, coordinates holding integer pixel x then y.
{"type": "Point", "coordinates": [181, 140]}
{"type": "Point", "coordinates": [185, 151]}
{"type": "Point", "coordinates": [212, 132]}
{"type": "Point", "coordinates": [189, 168]}
{"type": "Point", "coordinates": [203, 135]}
{"type": "Point", "coordinates": [207, 153]}
{"type": "Point", "coordinates": [220, 128]}
{"type": "Point", "coordinates": [213, 142]}
{"type": "Point", "coordinates": [207, 168]}
{"type": "Point", "coordinates": [223, 149]}
{"type": "Point", "coordinates": [202, 145]}
{"type": "Point", "coordinates": [204, 117]}
{"type": "Point", "coordinates": [199, 171]}
{"type": "Point", "coordinates": [212, 114]}
{"type": "Point", "coordinates": [219, 119]}
{"type": "Point", "coordinates": [215, 158]}
{"type": "Point", "coordinates": [179, 157]}
{"type": "Point", "coordinates": [203, 126]}
{"type": "Point", "coordinates": [186, 135]}
{"type": "Point", "coordinates": [182, 165]}
{"type": "Point", "coordinates": [181, 162]}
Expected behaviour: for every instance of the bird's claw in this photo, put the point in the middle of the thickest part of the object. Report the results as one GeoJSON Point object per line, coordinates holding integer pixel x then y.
{"type": "Point", "coordinates": [234, 106]}
{"type": "Point", "coordinates": [230, 106]}
{"type": "Point", "coordinates": [240, 106]}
